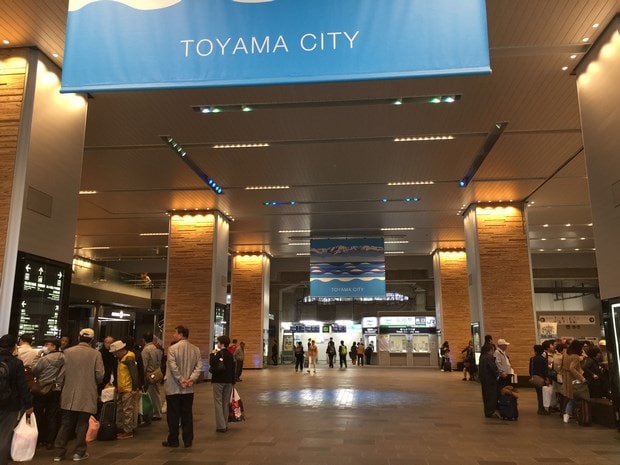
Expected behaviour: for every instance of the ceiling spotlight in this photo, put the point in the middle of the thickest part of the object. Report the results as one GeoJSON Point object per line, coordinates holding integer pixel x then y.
{"type": "Point", "coordinates": [463, 182]}
{"type": "Point", "coordinates": [6, 42]}
{"type": "Point", "coordinates": [206, 110]}
{"type": "Point", "coordinates": [398, 101]}
{"type": "Point", "coordinates": [564, 68]}
{"type": "Point", "coordinates": [246, 108]}
{"type": "Point", "coordinates": [448, 99]}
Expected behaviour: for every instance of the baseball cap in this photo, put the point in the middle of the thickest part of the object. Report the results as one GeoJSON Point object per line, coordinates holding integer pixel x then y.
{"type": "Point", "coordinates": [502, 342]}
{"type": "Point", "coordinates": [87, 332]}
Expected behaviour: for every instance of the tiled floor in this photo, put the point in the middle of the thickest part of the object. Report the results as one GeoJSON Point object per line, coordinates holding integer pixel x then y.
{"type": "Point", "coordinates": [364, 416]}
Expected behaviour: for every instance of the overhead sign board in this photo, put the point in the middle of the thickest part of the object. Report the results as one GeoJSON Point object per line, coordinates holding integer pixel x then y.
{"type": "Point", "coordinates": [156, 44]}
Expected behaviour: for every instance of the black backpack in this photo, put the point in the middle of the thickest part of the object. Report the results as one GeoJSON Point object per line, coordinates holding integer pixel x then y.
{"type": "Point", "coordinates": [5, 382]}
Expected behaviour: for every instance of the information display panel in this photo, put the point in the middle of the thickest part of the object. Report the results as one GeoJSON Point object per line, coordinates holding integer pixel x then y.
{"type": "Point", "coordinates": [40, 296]}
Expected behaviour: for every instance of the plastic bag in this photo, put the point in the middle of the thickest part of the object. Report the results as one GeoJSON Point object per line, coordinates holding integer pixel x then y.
{"type": "Point", "coordinates": [93, 429]}
{"type": "Point", "coordinates": [547, 393]}
{"type": "Point", "coordinates": [107, 394]}
{"type": "Point", "coordinates": [25, 437]}
{"type": "Point", "coordinates": [146, 405]}
{"type": "Point", "coordinates": [235, 410]}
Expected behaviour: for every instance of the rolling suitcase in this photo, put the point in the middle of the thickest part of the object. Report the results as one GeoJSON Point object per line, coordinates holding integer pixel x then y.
{"type": "Point", "coordinates": [507, 407]}
{"type": "Point", "coordinates": [583, 412]}
{"type": "Point", "coordinates": [107, 422]}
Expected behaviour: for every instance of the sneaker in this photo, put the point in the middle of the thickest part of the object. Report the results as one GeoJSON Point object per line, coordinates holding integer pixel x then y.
{"type": "Point", "coordinates": [58, 458]}
{"type": "Point", "coordinates": [566, 417]}
{"type": "Point", "coordinates": [78, 457]}
{"type": "Point", "coordinates": [124, 435]}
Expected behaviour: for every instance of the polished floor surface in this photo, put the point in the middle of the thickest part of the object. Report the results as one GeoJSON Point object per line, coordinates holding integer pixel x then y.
{"type": "Point", "coordinates": [364, 416]}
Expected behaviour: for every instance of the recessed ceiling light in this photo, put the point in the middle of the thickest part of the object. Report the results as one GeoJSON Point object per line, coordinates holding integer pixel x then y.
{"type": "Point", "coordinates": [568, 225]}
{"type": "Point", "coordinates": [422, 138]}
{"type": "Point", "coordinates": [543, 239]}
{"type": "Point", "coordinates": [88, 192]}
{"type": "Point", "coordinates": [573, 56]}
{"type": "Point", "coordinates": [595, 25]}
{"type": "Point", "coordinates": [577, 250]}
{"type": "Point", "coordinates": [55, 55]}
{"type": "Point", "coordinates": [562, 238]}
{"type": "Point", "coordinates": [564, 68]}
{"type": "Point", "coordinates": [545, 225]}
{"type": "Point", "coordinates": [258, 188]}
{"type": "Point", "coordinates": [6, 42]}
{"type": "Point", "coordinates": [582, 238]}
{"type": "Point", "coordinates": [585, 39]}
{"type": "Point", "coordinates": [559, 250]}
{"type": "Point", "coordinates": [541, 250]}
{"type": "Point", "coordinates": [287, 231]}
{"type": "Point", "coordinates": [241, 146]}
{"type": "Point", "coordinates": [590, 224]}
{"type": "Point", "coordinates": [410, 183]}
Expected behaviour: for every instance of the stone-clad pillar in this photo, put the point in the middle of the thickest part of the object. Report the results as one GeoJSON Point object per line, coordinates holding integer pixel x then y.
{"type": "Point", "coordinates": [599, 94]}
{"type": "Point", "coordinates": [500, 278]}
{"type": "Point", "coordinates": [197, 275]}
{"type": "Point", "coordinates": [249, 308]}
{"type": "Point", "coordinates": [452, 299]}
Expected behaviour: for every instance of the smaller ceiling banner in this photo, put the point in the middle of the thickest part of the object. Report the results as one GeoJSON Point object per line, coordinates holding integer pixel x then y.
{"type": "Point", "coordinates": [167, 44]}
{"type": "Point", "coordinates": [347, 268]}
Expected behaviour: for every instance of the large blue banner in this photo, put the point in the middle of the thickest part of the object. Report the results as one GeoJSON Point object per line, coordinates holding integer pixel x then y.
{"type": "Point", "coordinates": [347, 268]}
{"type": "Point", "coordinates": [156, 44]}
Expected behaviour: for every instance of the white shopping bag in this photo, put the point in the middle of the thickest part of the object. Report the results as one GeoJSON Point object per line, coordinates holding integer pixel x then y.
{"type": "Point", "coordinates": [547, 393]}
{"type": "Point", "coordinates": [25, 437]}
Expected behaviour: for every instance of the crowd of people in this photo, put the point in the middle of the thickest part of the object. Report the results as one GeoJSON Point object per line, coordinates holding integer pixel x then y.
{"type": "Point", "coordinates": [64, 385]}
{"type": "Point", "coordinates": [565, 374]}
{"type": "Point", "coordinates": [309, 358]}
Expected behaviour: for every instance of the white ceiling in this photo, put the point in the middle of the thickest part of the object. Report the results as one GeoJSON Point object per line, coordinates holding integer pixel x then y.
{"type": "Point", "coordinates": [338, 159]}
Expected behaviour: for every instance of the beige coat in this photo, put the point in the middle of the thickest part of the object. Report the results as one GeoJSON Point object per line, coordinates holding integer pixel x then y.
{"type": "Point", "coordinates": [571, 370]}
{"type": "Point", "coordinates": [83, 371]}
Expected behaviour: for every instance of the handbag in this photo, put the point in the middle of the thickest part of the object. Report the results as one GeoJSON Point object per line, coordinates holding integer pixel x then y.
{"type": "Point", "coordinates": [537, 381]}
{"type": "Point", "coordinates": [580, 390]}
{"type": "Point", "coordinates": [156, 376]}
{"type": "Point", "coordinates": [25, 437]}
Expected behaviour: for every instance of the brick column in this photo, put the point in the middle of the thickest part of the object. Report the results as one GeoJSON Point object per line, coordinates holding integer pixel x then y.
{"type": "Point", "coordinates": [249, 308]}
{"type": "Point", "coordinates": [500, 278]}
{"type": "Point", "coordinates": [452, 299]}
{"type": "Point", "coordinates": [197, 271]}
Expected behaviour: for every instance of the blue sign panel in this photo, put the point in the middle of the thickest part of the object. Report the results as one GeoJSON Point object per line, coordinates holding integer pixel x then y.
{"type": "Point", "coordinates": [347, 268]}
{"type": "Point", "coordinates": [156, 44]}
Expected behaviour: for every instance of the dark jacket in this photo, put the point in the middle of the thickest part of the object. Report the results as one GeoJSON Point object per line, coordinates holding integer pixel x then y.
{"type": "Point", "coordinates": [228, 375]}
{"type": "Point", "coordinates": [539, 366]}
{"type": "Point", "coordinates": [488, 371]}
{"type": "Point", "coordinates": [20, 395]}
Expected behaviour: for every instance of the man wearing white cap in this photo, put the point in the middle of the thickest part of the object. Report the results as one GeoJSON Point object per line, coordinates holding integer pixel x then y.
{"type": "Point", "coordinates": [503, 363]}
{"type": "Point", "coordinates": [127, 385]}
{"type": "Point", "coordinates": [78, 401]}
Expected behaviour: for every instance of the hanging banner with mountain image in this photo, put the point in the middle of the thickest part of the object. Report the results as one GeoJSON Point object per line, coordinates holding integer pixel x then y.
{"type": "Point", "coordinates": [347, 268]}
